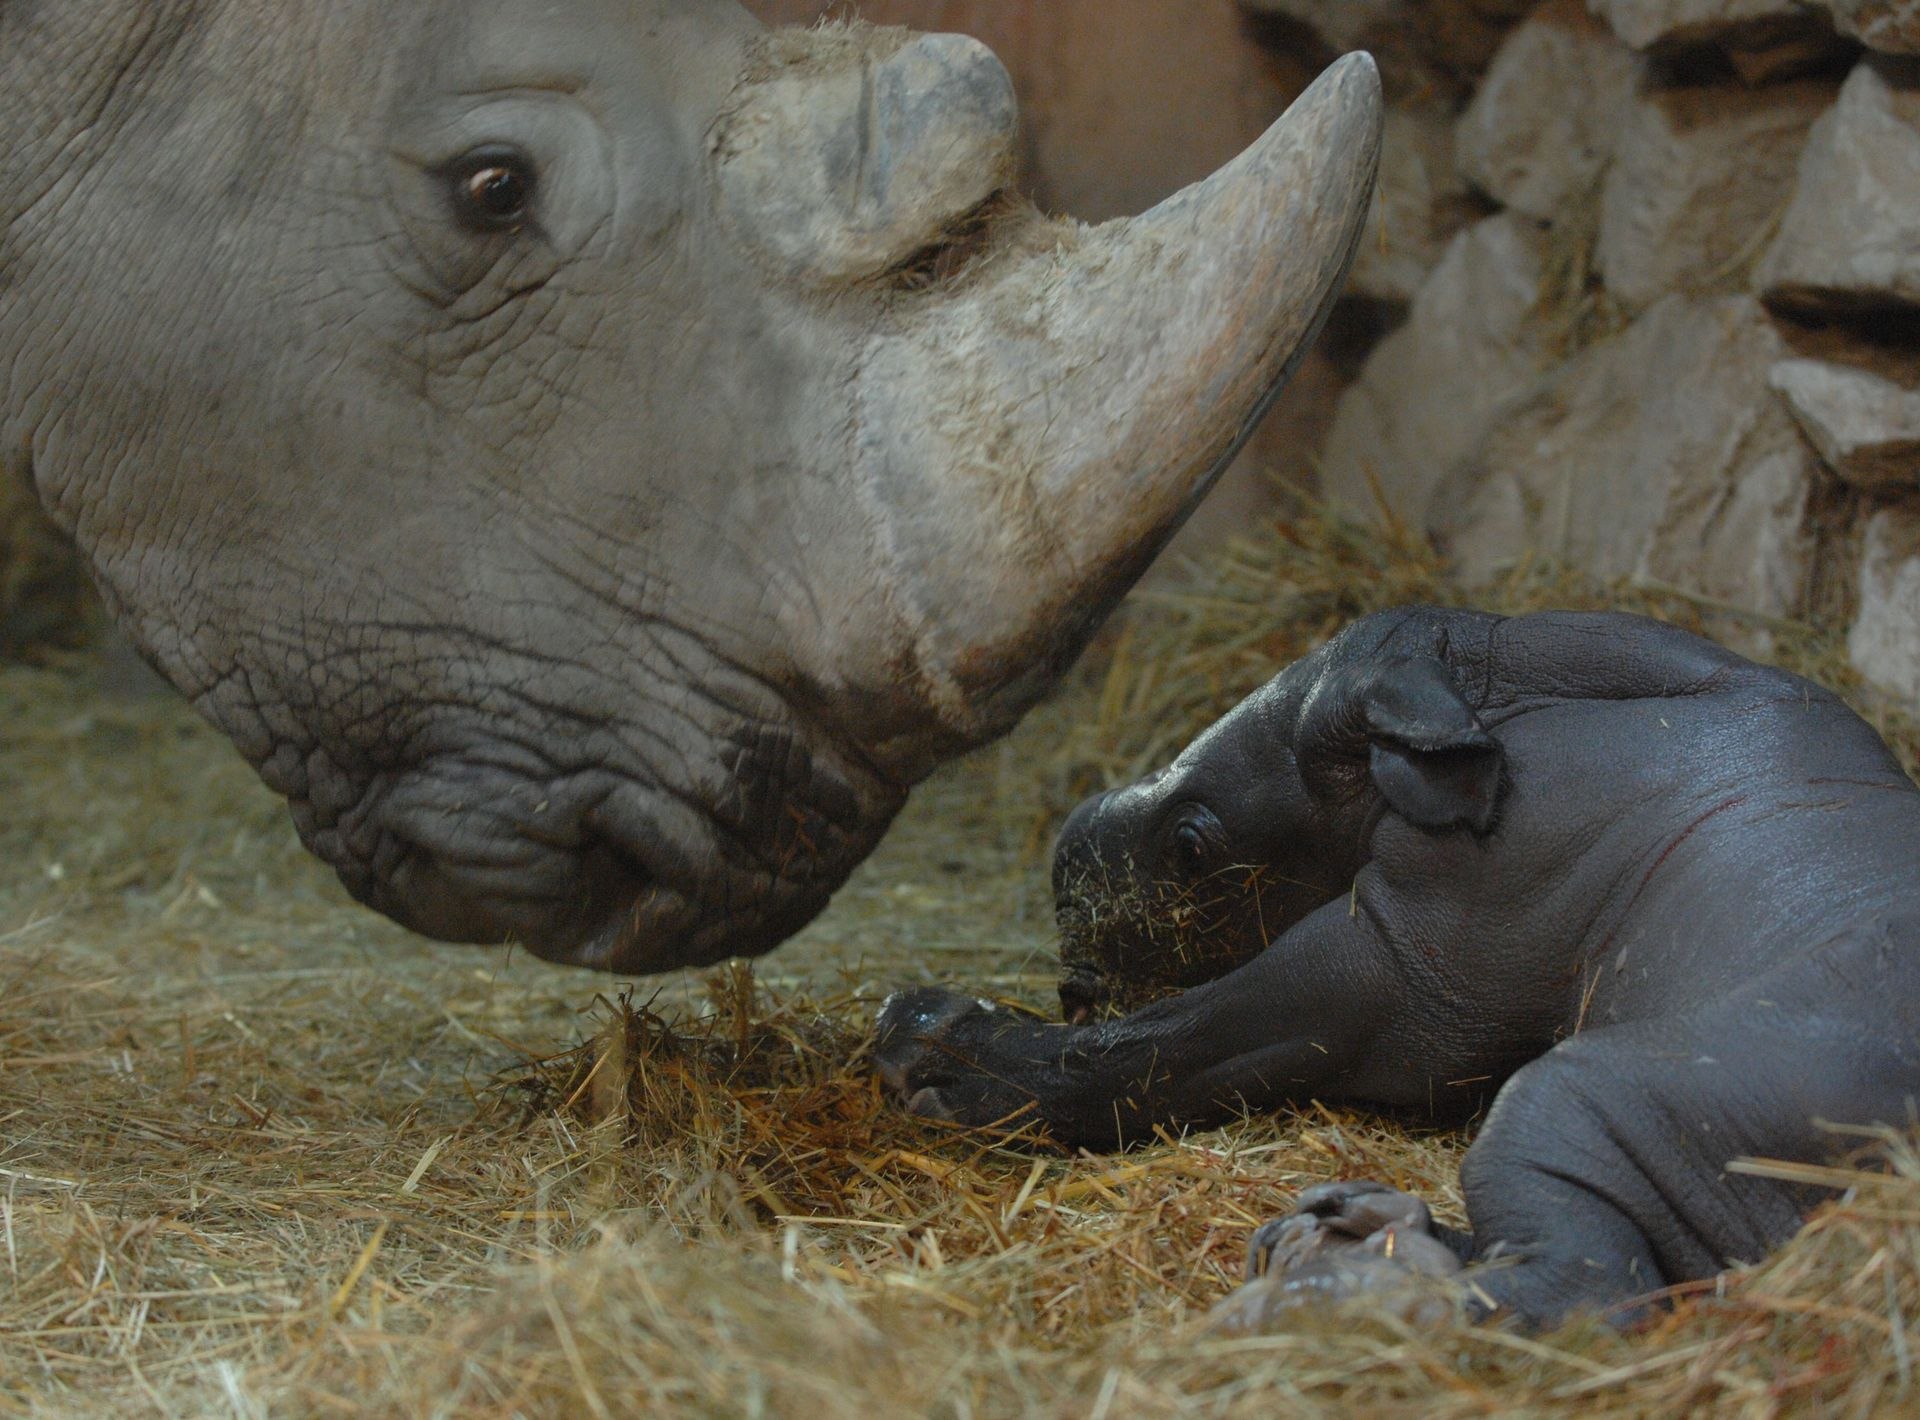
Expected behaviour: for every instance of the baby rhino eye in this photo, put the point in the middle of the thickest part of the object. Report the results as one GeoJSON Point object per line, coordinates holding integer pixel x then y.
{"type": "Point", "coordinates": [492, 189]}
{"type": "Point", "coordinates": [1192, 837]}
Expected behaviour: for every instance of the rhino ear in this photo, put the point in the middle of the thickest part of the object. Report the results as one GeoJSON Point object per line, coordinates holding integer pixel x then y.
{"type": "Point", "coordinates": [1429, 755]}
{"type": "Point", "coordinates": [1425, 749]}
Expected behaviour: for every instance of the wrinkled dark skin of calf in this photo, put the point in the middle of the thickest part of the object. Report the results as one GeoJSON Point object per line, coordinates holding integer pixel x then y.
{"type": "Point", "coordinates": [1661, 899]}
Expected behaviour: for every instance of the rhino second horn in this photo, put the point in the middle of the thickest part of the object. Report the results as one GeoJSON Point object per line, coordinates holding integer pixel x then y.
{"type": "Point", "coordinates": [846, 161]}
{"type": "Point", "coordinates": [1034, 435]}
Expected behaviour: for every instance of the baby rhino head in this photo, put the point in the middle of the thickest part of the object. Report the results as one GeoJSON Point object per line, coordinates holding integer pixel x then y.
{"type": "Point", "coordinates": [1182, 876]}
{"type": "Point", "coordinates": [1179, 878]}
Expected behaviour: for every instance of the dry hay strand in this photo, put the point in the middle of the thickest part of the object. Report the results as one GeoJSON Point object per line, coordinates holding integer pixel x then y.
{"type": "Point", "coordinates": [807, 1248]}
{"type": "Point", "coordinates": [760, 1112]}
{"type": "Point", "coordinates": [934, 1272]}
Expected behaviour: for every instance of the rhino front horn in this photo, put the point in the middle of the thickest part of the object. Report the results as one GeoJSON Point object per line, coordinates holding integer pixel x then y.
{"type": "Point", "coordinates": [1034, 434]}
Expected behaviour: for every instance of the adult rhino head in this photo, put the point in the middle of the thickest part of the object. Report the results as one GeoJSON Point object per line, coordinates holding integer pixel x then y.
{"type": "Point", "coordinates": [594, 457]}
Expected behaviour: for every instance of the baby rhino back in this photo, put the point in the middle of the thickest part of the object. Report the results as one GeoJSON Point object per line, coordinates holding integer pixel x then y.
{"type": "Point", "coordinates": [1677, 820]}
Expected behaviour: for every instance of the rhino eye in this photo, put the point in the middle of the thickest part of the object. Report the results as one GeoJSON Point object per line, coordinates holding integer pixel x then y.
{"type": "Point", "coordinates": [492, 189]}
{"type": "Point", "coordinates": [1192, 837]}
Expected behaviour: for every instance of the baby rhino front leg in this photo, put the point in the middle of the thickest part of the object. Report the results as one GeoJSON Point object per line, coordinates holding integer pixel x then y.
{"type": "Point", "coordinates": [1345, 1240]}
{"type": "Point", "coordinates": [946, 1055]}
{"type": "Point", "coordinates": [1278, 1028]}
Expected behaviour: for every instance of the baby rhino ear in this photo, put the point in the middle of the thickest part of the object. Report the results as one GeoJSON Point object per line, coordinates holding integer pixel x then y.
{"type": "Point", "coordinates": [1429, 755]}
{"type": "Point", "coordinates": [1402, 722]}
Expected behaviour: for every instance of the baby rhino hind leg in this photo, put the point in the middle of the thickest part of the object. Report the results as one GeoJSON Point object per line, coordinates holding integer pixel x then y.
{"type": "Point", "coordinates": [1602, 1173]}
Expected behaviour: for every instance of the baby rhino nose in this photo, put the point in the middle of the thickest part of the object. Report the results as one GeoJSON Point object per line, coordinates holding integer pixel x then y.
{"type": "Point", "coordinates": [1075, 855]}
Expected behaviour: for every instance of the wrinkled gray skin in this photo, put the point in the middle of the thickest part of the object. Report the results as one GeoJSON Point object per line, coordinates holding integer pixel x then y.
{"type": "Point", "coordinates": [1661, 899]}
{"type": "Point", "coordinates": [594, 457]}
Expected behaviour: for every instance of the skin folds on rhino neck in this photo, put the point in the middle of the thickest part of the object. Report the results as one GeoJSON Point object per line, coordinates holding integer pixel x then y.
{"type": "Point", "coordinates": [610, 455]}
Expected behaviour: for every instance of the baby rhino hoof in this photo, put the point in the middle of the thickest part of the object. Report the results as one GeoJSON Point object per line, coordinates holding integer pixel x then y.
{"type": "Point", "coordinates": [1344, 1240]}
{"type": "Point", "coordinates": [951, 1057]}
{"type": "Point", "coordinates": [1359, 1216]}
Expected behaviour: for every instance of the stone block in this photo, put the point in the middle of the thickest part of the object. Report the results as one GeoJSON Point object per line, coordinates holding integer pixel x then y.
{"type": "Point", "coordinates": [1660, 455]}
{"type": "Point", "coordinates": [1427, 394]}
{"type": "Point", "coordinates": [1889, 25]}
{"type": "Point", "coordinates": [1699, 178]}
{"type": "Point", "coordinates": [1884, 643]}
{"type": "Point", "coordinates": [1542, 126]}
{"type": "Point", "coordinates": [1764, 40]}
{"type": "Point", "coordinates": [1851, 238]}
{"type": "Point", "coordinates": [1645, 24]}
{"type": "Point", "coordinates": [1417, 208]}
{"type": "Point", "coordinates": [1865, 426]}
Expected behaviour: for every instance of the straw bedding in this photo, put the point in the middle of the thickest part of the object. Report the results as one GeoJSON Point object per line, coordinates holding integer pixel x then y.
{"type": "Point", "coordinates": [261, 1153]}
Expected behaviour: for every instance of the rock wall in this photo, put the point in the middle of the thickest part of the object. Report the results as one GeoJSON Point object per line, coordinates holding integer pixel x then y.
{"type": "Point", "coordinates": [1680, 343]}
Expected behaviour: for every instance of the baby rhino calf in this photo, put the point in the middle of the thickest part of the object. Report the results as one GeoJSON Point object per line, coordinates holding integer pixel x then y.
{"type": "Point", "coordinates": [1665, 901]}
